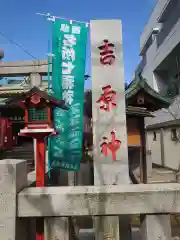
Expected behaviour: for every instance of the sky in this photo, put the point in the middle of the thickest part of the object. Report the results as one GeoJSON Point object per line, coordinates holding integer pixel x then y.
{"type": "Point", "coordinates": [20, 23]}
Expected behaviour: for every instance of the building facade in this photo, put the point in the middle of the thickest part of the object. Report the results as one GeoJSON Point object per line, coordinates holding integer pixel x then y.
{"type": "Point", "coordinates": [160, 48]}
{"type": "Point", "coordinates": [140, 99]}
{"type": "Point", "coordinates": [163, 144]}
{"type": "Point", "coordinates": [163, 136]}
{"type": "Point", "coordinates": [160, 66]}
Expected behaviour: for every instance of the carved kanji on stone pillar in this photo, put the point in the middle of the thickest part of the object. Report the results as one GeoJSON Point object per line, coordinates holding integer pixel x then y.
{"type": "Point", "coordinates": [107, 56]}
{"type": "Point", "coordinates": [112, 145]}
{"type": "Point", "coordinates": [108, 98]}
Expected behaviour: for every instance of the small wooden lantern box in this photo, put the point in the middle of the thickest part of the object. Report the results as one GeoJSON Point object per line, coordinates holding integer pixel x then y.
{"type": "Point", "coordinates": [38, 107]}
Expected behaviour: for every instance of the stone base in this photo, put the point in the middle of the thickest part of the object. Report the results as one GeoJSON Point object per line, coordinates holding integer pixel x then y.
{"type": "Point", "coordinates": [107, 228]}
{"type": "Point", "coordinates": [57, 228]}
{"type": "Point", "coordinates": [111, 173]}
{"type": "Point", "coordinates": [156, 227]}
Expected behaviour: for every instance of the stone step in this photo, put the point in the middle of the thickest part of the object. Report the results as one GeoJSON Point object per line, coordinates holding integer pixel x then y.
{"type": "Point", "coordinates": [29, 161]}
{"type": "Point", "coordinates": [19, 156]}
{"type": "Point", "coordinates": [22, 153]}
{"type": "Point", "coordinates": [159, 175]}
{"type": "Point", "coordinates": [19, 153]}
{"type": "Point", "coordinates": [20, 150]}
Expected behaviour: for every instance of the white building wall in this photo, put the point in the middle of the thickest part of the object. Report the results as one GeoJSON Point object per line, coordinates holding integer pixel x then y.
{"type": "Point", "coordinates": [154, 146]}
{"type": "Point", "coordinates": [171, 150]}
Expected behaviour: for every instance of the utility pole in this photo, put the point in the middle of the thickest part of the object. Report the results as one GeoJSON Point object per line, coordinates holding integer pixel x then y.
{"type": "Point", "coordinates": [1, 53]}
{"type": "Point", "coordinates": [50, 18]}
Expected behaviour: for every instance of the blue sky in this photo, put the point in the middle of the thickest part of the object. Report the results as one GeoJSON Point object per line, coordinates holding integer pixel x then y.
{"type": "Point", "coordinates": [20, 22]}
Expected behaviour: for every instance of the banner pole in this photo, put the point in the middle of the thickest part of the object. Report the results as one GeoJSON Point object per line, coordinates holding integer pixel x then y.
{"type": "Point", "coordinates": [49, 79]}
{"type": "Point", "coordinates": [51, 19]}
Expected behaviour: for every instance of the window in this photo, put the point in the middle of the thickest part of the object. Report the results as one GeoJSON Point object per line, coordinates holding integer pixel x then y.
{"type": "Point", "coordinates": [36, 114]}
{"type": "Point", "coordinates": [154, 136]}
{"type": "Point", "coordinates": [174, 136]}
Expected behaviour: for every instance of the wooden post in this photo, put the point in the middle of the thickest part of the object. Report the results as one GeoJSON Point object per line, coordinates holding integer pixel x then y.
{"type": "Point", "coordinates": [13, 175]}
{"type": "Point", "coordinates": [162, 147]}
{"type": "Point", "coordinates": [109, 116]}
{"type": "Point", "coordinates": [143, 163]}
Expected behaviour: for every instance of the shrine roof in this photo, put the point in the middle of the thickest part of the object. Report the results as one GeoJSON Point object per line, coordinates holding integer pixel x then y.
{"type": "Point", "coordinates": [138, 111]}
{"type": "Point", "coordinates": [14, 100]}
{"type": "Point", "coordinates": [167, 124]}
{"type": "Point", "coordinates": [151, 96]}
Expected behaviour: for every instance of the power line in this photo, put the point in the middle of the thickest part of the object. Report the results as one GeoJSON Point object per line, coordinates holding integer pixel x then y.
{"type": "Point", "coordinates": [13, 42]}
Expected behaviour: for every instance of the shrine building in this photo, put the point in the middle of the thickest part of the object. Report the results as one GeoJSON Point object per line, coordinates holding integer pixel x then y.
{"type": "Point", "coordinates": [141, 101]}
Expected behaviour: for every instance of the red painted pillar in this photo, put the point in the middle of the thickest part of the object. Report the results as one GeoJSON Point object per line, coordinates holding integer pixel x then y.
{"type": "Point", "coordinates": [40, 162]}
{"type": "Point", "coordinates": [40, 181]}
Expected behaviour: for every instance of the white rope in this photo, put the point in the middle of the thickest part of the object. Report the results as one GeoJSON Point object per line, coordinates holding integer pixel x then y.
{"type": "Point", "coordinates": [53, 18]}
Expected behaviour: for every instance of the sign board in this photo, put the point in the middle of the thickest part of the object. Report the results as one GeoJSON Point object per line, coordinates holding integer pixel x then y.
{"type": "Point", "coordinates": [68, 70]}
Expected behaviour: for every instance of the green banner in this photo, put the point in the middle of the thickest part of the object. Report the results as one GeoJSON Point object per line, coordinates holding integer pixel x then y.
{"type": "Point", "coordinates": [68, 70]}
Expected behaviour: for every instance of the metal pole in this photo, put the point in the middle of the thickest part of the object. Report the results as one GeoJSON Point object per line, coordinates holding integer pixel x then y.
{"type": "Point", "coordinates": [40, 148]}
{"type": "Point", "coordinates": [49, 84]}
{"type": "Point", "coordinates": [50, 19]}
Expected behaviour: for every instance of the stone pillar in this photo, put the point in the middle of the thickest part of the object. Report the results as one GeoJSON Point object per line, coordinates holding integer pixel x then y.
{"type": "Point", "coordinates": [61, 227]}
{"type": "Point", "coordinates": [156, 227]}
{"type": "Point", "coordinates": [13, 178]}
{"type": "Point", "coordinates": [106, 228]}
{"type": "Point", "coordinates": [153, 226]}
{"type": "Point", "coordinates": [57, 228]}
{"type": "Point", "coordinates": [35, 79]}
{"type": "Point", "coordinates": [73, 226]}
{"type": "Point", "coordinates": [109, 117]}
